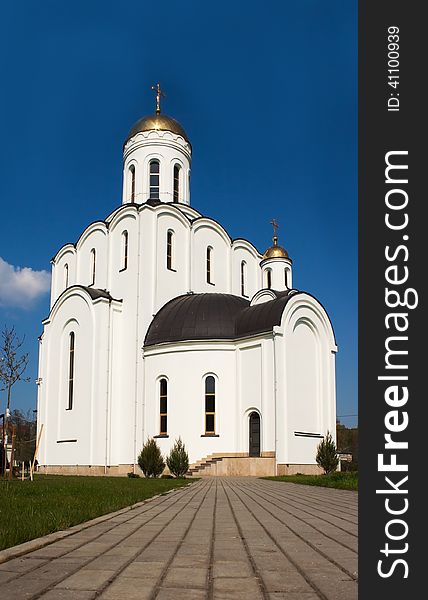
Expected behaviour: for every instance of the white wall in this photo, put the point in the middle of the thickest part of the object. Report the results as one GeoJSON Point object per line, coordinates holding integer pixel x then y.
{"type": "Point", "coordinates": [306, 397]}
{"type": "Point", "coordinates": [169, 149]}
{"type": "Point", "coordinates": [84, 422]}
{"type": "Point", "coordinates": [185, 369]}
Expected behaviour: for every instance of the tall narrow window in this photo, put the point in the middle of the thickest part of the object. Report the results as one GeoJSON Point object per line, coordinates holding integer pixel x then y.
{"type": "Point", "coordinates": [71, 371]}
{"type": "Point", "coordinates": [169, 239]}
{"type": "Point", "coordinates": [163, 406]}
{"type": "Point", "coordinates": [269, 278]}
{"type": "Point", "coordinates": [65, 276]}
{"type": "Point", "coordinates": [285, 278]}
{"type": "Point", "coordinates": [210, 404]}
{"type": "Point", "coordinates": [243, 268]}
{"type": "Point", "coordinates": [124, 251]}
{"type": "Point", "coordinates": [154, 180]}
{"type": "Point", "coordinates": [209, 264]}
{"type": "Point", "coordinates": [93, 265]}
{"type": "Point", "coordinates": [176, 182]}
{"type": "Point", "coordinates": [132, 177]}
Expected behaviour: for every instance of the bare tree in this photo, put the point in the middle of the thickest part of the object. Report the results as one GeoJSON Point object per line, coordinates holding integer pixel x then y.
{"type": "Point", "coordinates": [12, 363]}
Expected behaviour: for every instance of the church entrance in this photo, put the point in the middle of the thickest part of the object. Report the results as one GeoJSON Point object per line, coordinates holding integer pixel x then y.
{"type": "Point", "coordinates": [254, 432]}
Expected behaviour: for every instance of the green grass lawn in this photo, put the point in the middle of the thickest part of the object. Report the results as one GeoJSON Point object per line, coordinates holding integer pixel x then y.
{"type": "Point", "coordinates": [342, 481]}
{"type": "Point", "coordinates": [53, 502]}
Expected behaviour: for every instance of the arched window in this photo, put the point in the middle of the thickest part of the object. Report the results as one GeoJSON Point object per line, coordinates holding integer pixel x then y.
{"type": "Point", "coordinates": [243, 272]}
{"type": "Point", "coordinates": [209, 404]}
{"type": "Point", "coordinates": [176, 183]}
{"type": "Point", "coordinates": [154, 180]}
{"type": "Point", "coordinates": [285, 278]}
{"type": "Point", "coordinates": [132, 177]}
{"type": "Point", "coordinates": [65, 276]}
{"type": "Point", "coordinates": [209, 264]}
{"type": "Point", "coordinates": [93, 265]}
{"type": "Point", "coordinates": [124, 251]}
{"type": "Point", "coordinates": [163, 406]}
{"type": "Point", "coordinates": [70, 371]}
{"type": "Point", "coordinates": [269, 279]}
{"type": "Point", "coordinates": [169, 249]}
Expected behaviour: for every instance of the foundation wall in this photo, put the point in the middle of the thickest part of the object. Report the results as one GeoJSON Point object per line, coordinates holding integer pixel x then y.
{"type": "Point", "coordinates": [303, 469]}
{"type": "Point", "coordinates": [96, 470]}
{"type": "Point", "coordinates": [230, 466]}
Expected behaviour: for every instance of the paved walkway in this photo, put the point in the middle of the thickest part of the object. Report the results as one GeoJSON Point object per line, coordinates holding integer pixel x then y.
{"type": "Point", "coordinates": [218, 539]}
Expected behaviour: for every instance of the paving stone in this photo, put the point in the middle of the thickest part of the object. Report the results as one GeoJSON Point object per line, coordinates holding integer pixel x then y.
{"type": "Point", "coordinates": [285, 581]}
{"type": "Point", "coordinates": [6, 576]}
{"type": "Point", "coordinates": [122, 550]}
{"type": "Point", "coordinates": [293, 596]}
{"type": "Point", "coordinates": [86, 579]}
{"type": "Point", "coordinates": [22, 565]}
{"type": "Point", "coordinates": [58, 594]}
{"type": "Point", "coordinates": [129, 588]}
{"type": "Point", "coordinates": [75, 560]}
{"type": "Point", "coordinates": [229, 568]}
{"type": "Point", "coordinates": [51, 551]}
{"type": "Point", "coordinates": [54, 571]}
{"type": "Point", "coordinates": [143, 570]}
{"type": "Point", "coordinates": [181, 593]}
{"type": "Point", "coordinates": [247, 585]}
{"type": "Point", "coordinates": [191, 559]}
{"type": "Point", "coordinates": [23, 587]}
{"type": "Point", "coordinates": [92, 549]}
{"type": "Point", "coordinates": [107, 563]}
{"type": "Point", "coordinates": [185, 577]}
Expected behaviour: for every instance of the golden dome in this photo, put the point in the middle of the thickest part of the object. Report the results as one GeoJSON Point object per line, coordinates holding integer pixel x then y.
{"type": "Point", "coordinates": [158, 122]}
{"type": "Point", "coordinates": [276, 252]}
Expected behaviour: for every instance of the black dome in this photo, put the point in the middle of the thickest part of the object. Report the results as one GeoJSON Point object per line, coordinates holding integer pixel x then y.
{"type": "Point", "coordinates": [196, 317]}
{"type": "Point", "coordinates": [214, 317]}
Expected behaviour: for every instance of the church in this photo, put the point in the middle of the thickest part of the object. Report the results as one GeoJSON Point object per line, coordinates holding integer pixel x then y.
{"type": "Point", "coordinates": [161, 325]}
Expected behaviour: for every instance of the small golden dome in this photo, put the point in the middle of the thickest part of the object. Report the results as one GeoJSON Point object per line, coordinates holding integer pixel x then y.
{"type": "Point", "coordinates": [276, 251]}
{"type": "Point", "coordinates": [158, 122]}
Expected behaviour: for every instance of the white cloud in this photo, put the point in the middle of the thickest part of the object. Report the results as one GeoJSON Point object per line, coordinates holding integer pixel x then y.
{"type": "Point", "coordinates": [21, 286]}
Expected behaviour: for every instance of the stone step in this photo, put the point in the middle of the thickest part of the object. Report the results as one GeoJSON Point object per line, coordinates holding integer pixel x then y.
{"type": "Point", "coordinates": [201, 465]}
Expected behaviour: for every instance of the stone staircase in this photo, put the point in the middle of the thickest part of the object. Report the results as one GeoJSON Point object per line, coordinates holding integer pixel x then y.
{"type": "Point", "coordinates": [233, 464]}
{"type": "Point", "coordinates": [205, 463]}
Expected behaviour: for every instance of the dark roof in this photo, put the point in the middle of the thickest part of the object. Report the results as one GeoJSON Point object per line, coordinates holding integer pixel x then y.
{"type": "Point", "coordinates": [93, 292]}
{"type": "Point", "coordinates": [213, 317]}
{"type": "Point", "coordinates": [261, 317]}
{"type": "Point", "coordinates": [196, 317]}
{"type": "Point", "coordinates": [96, 293]}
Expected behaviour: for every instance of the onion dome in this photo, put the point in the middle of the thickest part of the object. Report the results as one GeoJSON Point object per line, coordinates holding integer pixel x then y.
{"type": "Point", "coordinates": [276, 251]}
{"type": "Point", "coordinates": [158, 122]}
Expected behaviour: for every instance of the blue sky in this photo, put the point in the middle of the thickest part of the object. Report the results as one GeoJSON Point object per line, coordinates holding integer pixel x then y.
{"type": "Point", "coordinates": [267, 92]}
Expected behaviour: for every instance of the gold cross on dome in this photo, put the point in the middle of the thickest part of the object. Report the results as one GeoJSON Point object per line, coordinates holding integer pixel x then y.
{"type": "Point", "coordinates": [159, 93]}
{"type": "Point", "coordinates": [275, 227]}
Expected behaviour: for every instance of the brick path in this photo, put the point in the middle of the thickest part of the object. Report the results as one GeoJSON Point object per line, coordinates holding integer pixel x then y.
{"type": "Point", "coordinates": [220, 539]}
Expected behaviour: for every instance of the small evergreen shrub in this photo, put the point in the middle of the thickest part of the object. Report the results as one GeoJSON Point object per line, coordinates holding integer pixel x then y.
{"type": "Point", "coordinates": [178, 459]}
{"type": "Point", "coordinates": [132, 475]}
{"type": "Point", "coordinates": [326, 454]}
{"type": "Point", "coordinates": [150, 459]}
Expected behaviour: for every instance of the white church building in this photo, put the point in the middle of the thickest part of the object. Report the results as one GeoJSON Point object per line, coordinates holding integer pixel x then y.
{"type": "Point", "coordinates": [162, 326]}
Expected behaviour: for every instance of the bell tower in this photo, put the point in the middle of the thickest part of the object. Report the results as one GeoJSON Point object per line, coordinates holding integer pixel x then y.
{"type": "Point", "coordinates": [157, 157]}
{"type": "Point", "coordinates": [276, 265]}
